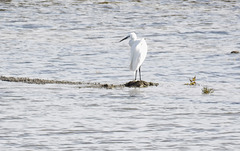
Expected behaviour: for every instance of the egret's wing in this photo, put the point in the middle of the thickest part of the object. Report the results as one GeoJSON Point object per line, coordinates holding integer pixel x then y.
{"type": "Point", "coordinates": [135, 55]}
{"type": "Point", "coordinates": [138, 54]}
{"type": "Point", "coordinates": [143, 51]}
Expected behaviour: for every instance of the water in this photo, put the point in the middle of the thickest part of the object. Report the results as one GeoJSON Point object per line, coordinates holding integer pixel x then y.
{"type": "Point", "coordinates": [77, 40]}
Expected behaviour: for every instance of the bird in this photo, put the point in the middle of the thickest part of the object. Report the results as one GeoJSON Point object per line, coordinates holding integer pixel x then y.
{"type": "Point", "coordinates": [139, 50]}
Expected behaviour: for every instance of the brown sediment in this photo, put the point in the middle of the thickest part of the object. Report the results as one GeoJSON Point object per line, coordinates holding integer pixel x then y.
{"type": "Point", "coordinates": [235, 52]}
{"type": "Point", "coordinates": [99, 85]}
{"type": "Point", "coordinates": [83, 84]}
{"type": "Point", "coordinates": [36, 81]}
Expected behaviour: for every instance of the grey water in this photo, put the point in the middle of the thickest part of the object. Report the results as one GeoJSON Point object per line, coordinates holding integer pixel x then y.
{"type": "Point", "coordinates": [78, 40]}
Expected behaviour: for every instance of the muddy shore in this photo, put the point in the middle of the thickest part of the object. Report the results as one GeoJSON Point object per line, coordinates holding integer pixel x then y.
{"type": "Point", "coordinates": [139, 84]}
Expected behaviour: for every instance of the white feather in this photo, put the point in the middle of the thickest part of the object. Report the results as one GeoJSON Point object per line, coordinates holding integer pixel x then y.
{"type": "Point", "coordinates": [138, 53]}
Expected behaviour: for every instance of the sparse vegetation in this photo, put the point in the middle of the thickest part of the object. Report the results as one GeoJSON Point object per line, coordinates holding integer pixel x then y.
{"type": "Point", "coordinates": [206, 90]}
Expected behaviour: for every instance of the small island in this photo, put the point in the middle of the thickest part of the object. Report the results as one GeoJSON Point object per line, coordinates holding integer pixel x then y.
{"type": "Point", "coordinates": [130, 84]}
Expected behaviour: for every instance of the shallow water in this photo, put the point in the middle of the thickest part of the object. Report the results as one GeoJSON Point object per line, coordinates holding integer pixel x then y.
{"type": "Point", "coordinates": [77, 40]}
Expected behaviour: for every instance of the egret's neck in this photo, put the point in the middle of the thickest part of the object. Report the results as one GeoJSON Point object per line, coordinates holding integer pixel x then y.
{"type": "Point", "coordinates": [132, 40]}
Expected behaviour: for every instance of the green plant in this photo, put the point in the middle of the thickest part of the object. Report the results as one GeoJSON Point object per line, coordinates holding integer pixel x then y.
{"type": "Point", "coordinates": [192, 81]}
{"type": "Point", "coordinates": [206, 90]}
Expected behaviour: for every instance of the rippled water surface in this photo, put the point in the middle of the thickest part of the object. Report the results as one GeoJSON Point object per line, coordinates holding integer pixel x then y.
{"type": "Point", "coordinates": [77, 40]}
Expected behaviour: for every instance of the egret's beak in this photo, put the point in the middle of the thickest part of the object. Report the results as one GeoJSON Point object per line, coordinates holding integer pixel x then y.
{"type": "Point", "coordinates": [124, 38]}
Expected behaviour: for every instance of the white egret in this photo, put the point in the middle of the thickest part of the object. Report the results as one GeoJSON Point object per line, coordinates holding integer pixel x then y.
{"type": "Point", "coordinates": [138, 52]}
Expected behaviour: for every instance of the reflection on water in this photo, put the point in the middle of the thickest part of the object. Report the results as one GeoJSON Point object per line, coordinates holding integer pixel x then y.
{"type": "Point", "coordinates": [134, 92]}
{"type": "Point", "coordinates": [77, 40]}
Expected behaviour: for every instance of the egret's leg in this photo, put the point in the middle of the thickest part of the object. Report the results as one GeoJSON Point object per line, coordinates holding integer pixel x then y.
{"type": "Point", "coordinates": [136, 75]}
{"type": "Point", "coordinates": [140, 73]}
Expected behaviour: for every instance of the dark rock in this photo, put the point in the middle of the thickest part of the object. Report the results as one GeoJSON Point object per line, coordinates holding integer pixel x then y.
{"type": "Point", "coordinates": [140, 84]}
